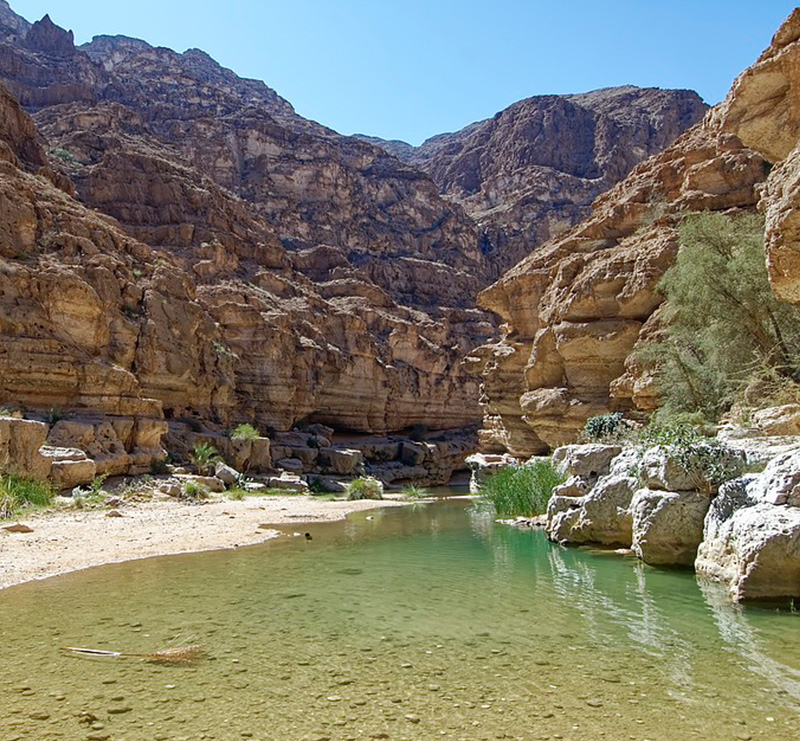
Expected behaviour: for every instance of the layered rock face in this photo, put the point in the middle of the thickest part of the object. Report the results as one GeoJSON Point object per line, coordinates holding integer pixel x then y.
{"type": "Point", "coordinates": [258, 266]}
{"type": "Point", "coordinates": [190, 303]}
{"type": "Point", "coordinates": [532, 171]}
{"type": "Point", "coordinates": [576, 309]}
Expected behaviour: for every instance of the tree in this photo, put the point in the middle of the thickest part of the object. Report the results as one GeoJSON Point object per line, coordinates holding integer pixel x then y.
{"type": "Point", "coordinates": [725, 327]}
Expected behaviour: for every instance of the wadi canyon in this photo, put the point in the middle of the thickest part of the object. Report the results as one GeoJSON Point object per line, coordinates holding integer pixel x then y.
{"type": "Point", "coordinates": [182, 252]}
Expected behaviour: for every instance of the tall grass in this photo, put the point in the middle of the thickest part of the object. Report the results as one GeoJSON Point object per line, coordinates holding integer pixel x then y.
{"type": "Point", "coordinates": [17, 493]}
{"type": "Point", "coordinates": [521, 491]}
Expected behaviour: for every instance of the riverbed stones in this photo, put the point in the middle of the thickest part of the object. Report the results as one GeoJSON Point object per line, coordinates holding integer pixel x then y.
{"type": "Point", "coordinates": [668, 526]}
{"type": "Point", "coordinates": [225, 473]}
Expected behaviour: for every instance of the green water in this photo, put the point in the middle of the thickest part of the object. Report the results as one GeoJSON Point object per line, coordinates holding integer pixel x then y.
{"type": "Point", "coordinates": [420, 623]}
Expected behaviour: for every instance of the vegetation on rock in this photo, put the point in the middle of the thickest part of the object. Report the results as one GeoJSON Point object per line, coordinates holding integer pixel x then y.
{"type": "Point", "coordinates": [365, 487]}
{"type": "Point", "coordinates": [244, 432]}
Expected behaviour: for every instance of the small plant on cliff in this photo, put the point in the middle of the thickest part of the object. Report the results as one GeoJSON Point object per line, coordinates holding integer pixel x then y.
{"type": "Point", "coordinates": [223, 352]}
{"type": "Point", "coordinates": [244, 432]}
{"type": "Point", "coordinates": [204, 456]}
{"type": "Point", "coordinates": [607, 428]}
{"type": "Point", "coordinates": [365, 487]}
{"type": "Point", "coordinates": [521, 491]}
{"type": "Point", "coordinates": [708, 461]}
{"type": "Point", "coordinates": [17, 493]}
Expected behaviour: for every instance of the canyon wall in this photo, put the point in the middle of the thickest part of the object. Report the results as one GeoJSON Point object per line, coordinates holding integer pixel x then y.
{"type": "Point", "coordinates": [575, 310]}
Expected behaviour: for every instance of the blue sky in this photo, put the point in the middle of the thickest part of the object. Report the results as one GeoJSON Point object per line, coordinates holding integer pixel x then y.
{"type": "Point", "coordinates": [408, 69]}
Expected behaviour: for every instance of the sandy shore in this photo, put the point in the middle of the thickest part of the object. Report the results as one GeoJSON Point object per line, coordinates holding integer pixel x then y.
{"type": "Point", "coordinates": [77, 539]}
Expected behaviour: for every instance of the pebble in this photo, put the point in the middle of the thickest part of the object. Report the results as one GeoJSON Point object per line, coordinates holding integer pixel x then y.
{"type": "Point", "coordinates": [119, 710]}
{"type": "Point", "coordinates": [411, 718]}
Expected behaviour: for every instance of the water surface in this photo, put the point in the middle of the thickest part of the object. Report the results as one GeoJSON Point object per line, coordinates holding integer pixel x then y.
{"type": "Point", "coordinates": [413, 623]}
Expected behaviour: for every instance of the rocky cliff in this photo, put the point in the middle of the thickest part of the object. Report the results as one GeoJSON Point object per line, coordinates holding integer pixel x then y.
{"type": "Point", "coordinates": [577, 308]}
{"type": "Point", "coordinates": [178, 244]}
{"type": "Point", "coordinates": [532, 171]}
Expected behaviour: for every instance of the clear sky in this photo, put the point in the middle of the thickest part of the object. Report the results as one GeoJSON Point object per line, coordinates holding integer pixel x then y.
{"type": "Point", "coordinates": [408, 69]}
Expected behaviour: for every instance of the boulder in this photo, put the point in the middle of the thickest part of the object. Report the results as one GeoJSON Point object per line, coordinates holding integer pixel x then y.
{"type": "Point", "coordinates": [779, 483]}
{"type": "Point", "coordinates": [227, 475]}
{"type": "Point", "coordinates": [326, 484]}
{"type": "Point", "coordinates": [260, 456]}
{"type": "Point", "coordinates": [660, 470]}
{"type": "Point", "coordinates": [588, 461]}
{"type": "Point", "coordinates": [601, 516]}
{"type": "Point", "coordinates": [20, 441]}
{"type": "Point", "coordinates": [209, 483]}
{"type": "Point", "coordinates": [668, 526]}
{"type": "Point", "coordinates": [574, 486]}
{"type": "Point", "coordinates": [288, 482]}
{"type": "Point", "coordinates": [67, 474]}
{"type": "Point", "coordinates": [750, 545]}
{"type": "Point", "coordinates": [307, 455]}
{"type": "Point", "coordinates": [782, 420]}
{"type": "Point", "coordinates": [483, 465]}
{"type": "Point", "coordinates": [343, 461]}
{"type": "Point", "coordinates": [412, 453]}
{"type": "Point", "coordinates": [293, 465]}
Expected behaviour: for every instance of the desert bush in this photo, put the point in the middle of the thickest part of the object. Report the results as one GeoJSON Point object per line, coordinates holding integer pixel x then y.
{"type": "Point", "coordinates": [521, 491]}
{"type": "Point", "coordinates": [725, 327]}
{"type": "Point", "coordinates": [245, 432]}
{"type": "Point", "coordinates": [608, 428]}
{"type": "Point", "coordinates": [193, 491]}
{"type": "Point", "coordinates": [365, 487]}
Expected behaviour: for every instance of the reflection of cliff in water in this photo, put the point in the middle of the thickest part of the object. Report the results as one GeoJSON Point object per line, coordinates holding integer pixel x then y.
{"type": "Point", "coordinates": [743, 638]}
{"type": "Point", "coordinates": [664, 615]}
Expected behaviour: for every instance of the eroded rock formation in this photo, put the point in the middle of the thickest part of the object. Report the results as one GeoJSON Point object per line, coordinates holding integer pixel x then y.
{"type": "Point", "coordinates": [576, 309]}
{"type": "Point", "coordinates": [531, 171]}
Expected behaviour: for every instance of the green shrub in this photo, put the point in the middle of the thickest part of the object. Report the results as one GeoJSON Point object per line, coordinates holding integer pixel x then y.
{"type": "Point", "coordinates": [412, 491]}
{"type": "Point", "coordinates": [192, 490]}
{"type": "Point", "coordinates": [709, 461]}
{"type": "Point", "coordinates": [724, 326]}
{"type": "Point", "coordinates": [365, 487]}
{"type": "Point", "coordinates": [245, 432]}
{"type": "Point", "coordinates": [17, 493]}
{"type": "Point", "coordinates": [521, 491]}
{"type": "Point", "coordinates": [607, 428]}
{"type": "Point", "coordinates": [204, 456]}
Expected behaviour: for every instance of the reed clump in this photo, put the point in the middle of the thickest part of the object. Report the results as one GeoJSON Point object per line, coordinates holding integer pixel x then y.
{"type": "Point", "coordinates": [521, 491]}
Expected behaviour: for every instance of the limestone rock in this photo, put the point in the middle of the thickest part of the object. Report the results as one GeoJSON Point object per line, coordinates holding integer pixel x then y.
{"type": "Point", "coordinates": [668, 526]}
{"type": "Point", "coordinates": [342, 461]}
{"type": "Point", "coordinates": [779, 483]}
{"type": "Point", "coordinates": [20, 443]}
{"type": "Point", "coordinates": [751, 546]}
{"type": "Point", "coordinates": [531, 171]}
{"type": "Point", "coordinates": [483, 465]}
{"type": "Point", "coordinates": [287, 481]}
{"type": "Point", "coordinates": [601, 516]}
{"type": "Point", "coordinates": [586, 461]}
{"type": "Point", "coordinates": [227, 475]}
{"type": "Point", "coordinates": [781, 420]}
